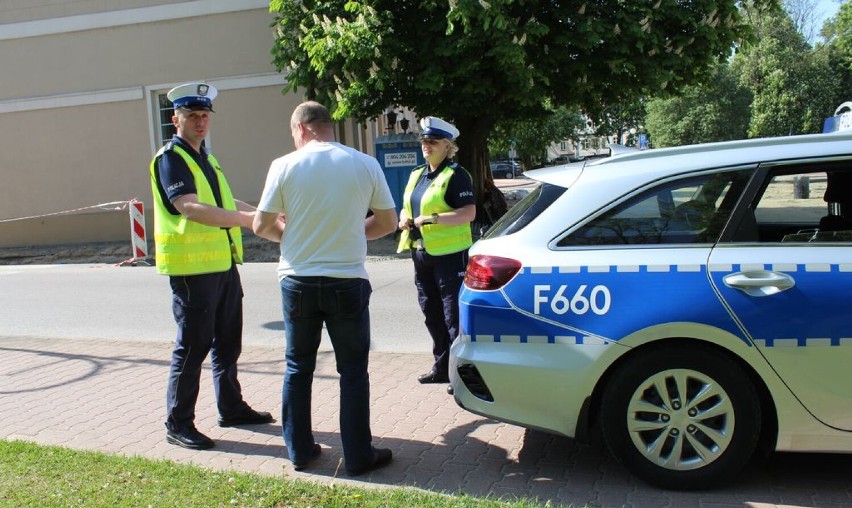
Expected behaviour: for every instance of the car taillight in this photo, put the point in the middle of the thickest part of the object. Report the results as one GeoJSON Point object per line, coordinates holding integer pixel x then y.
{"type": "Point", "coordinates": [490, 272]}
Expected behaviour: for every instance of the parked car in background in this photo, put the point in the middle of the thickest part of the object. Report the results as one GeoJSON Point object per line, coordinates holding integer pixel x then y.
{"type": "Point", "coordinates": [567, 159]}
{"type": "Point", "coordinates": [690, 303]}
{"type": "Point", "coordinates": [505, 169]}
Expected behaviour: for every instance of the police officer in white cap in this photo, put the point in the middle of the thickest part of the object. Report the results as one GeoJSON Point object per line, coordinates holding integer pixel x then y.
{"type": "Point", "coordinates": [198, 241]}
{"type": "Point", "coordinates": [438, 207]}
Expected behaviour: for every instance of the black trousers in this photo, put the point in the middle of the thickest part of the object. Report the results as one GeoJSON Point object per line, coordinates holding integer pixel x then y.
{"type": "Point", "coordinates": [208, 310]}
{"type": "Point", "coordinates": [438, 280]}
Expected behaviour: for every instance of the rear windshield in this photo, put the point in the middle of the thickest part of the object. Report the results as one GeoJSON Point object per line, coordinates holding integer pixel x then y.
{"type": "Point", "coordinates": [525, 210]}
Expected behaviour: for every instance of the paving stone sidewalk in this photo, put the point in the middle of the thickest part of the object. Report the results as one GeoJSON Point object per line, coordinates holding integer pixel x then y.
{"type": "Point", "coordinates": [109, 396]}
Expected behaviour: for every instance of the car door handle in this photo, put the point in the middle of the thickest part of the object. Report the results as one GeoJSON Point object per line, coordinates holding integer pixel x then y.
{"type": "Point", "coordinates": [759, 282]}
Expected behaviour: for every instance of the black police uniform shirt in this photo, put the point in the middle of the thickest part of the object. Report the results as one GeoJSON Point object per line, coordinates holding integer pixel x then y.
{"type": "Point", "coordinates": [175, 177]}
{"type": "Point", "coordinates": [459, 191]}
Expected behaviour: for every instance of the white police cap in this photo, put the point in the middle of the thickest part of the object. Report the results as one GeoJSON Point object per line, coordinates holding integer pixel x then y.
{"type": "Point", "coordinates": [193, 96]}
{"type": "Point", "coordinates": [434, 128]}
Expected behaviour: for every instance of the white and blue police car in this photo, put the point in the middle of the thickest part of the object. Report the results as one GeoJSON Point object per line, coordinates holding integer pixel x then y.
{"type": "Point", "coordinates": [692, 304]}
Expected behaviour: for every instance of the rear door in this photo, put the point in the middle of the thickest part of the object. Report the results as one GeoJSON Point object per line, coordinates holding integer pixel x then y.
{"type": "Point", "coordinates": [789, 283]}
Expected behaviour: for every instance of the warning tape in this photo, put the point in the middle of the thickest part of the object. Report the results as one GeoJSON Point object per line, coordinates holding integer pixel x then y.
{"type": "Point", "coordinates": [138, 242]}
{"type": "Point", "coordinates": [101, 206]}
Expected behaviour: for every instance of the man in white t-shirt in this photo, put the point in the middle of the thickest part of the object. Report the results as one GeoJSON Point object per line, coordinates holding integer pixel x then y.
{"type": "Point", "coordinates": [314, 203]}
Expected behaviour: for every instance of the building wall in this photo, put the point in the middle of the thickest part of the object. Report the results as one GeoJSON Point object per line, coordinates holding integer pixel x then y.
{"type": "Point", "coordinates": [68, 158]}
{"type": "Point", "coordinates": [14, 11]}
{"type": "Point", "coordinates": [78, 107]}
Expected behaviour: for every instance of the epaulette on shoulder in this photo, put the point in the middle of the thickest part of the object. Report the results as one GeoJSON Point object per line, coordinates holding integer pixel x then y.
{"type": "Point", "coordinates": [455, 166]}
{"type": "Point", "coordinates": [165, 149]}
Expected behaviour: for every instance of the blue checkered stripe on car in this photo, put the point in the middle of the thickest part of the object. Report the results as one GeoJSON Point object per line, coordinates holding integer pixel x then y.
{"type": "Point", "coordinates": [661, 268]}
{"type": "Point", "coordinates": [507, 317]}
{"type": "Point", "coordinates": [806, 342]}
{"type": "Point", "coordinates": [564, 340]}
{"type": "Point", "coordinates": [519, 314]}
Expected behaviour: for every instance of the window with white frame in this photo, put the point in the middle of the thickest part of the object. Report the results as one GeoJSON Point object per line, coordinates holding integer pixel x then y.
{"type": "Point", "coordinates": [165, 111]}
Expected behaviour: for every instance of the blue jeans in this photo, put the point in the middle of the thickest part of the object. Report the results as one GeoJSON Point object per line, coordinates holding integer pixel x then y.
{"type": "Point", "coordinates": [343, 305]}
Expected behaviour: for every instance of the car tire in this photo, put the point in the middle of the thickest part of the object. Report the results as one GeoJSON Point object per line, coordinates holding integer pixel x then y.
{"type": "Point", "coordinates": [509, 175]}
{"type": "Point", "coordinates": [709, 405]}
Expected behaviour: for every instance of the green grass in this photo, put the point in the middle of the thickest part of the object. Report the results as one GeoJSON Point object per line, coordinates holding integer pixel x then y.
{"type": "Point", "coordinates": [45, 476]}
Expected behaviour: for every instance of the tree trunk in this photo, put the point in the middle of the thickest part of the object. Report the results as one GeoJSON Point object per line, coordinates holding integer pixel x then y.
{"type": "Point", "coordinates": [473, 156]}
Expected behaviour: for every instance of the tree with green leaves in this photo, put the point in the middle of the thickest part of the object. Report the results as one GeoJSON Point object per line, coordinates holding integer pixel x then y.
{"type": "Point", "coordinates": [531, 138]}
{"type": "Point", "coordinates": [482, 62]}
{"type": "Point", "coordinates": [837, 33]}
{"type": "Point", "coordinates": [792, 86]}
{"type": "Point", "coordinates": [616, 120]}
{"type": "Point", "coordinates": [717, 110]}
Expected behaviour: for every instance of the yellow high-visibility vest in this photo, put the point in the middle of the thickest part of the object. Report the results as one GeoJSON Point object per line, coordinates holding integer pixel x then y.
{"type": "Point", "coordinates": [185, 247]}
{"type": "Point", "coordinates": [438, 239]}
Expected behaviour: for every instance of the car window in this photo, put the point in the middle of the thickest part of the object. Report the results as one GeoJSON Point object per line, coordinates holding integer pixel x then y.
{"type": "Point", "coordinates": [525, 210]}
{"type": "Point", "coordinates": [804, 206]}
{"type": "Point", "coordinates": [684, 211]}
{"type": "Point", "coordinates": [504, 166]}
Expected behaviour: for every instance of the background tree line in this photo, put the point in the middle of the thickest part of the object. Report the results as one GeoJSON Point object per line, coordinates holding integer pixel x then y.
{"type": "Point", "coordinates": [784, 80]}
{"type": "Point", "coordinates": [527, 73]}
{"type": "Point", "coordinates": [781, 84]}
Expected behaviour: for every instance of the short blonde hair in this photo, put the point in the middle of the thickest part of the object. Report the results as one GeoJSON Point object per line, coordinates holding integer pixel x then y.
{"type": "Point", "coordinates": [453, 149]}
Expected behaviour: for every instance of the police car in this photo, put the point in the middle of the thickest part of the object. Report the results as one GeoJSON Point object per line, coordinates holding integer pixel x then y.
{"type": "Point", "coordinates": [692, 305]}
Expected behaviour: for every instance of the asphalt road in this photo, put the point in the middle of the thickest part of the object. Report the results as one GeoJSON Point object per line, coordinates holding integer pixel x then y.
{"type": "Point", "coordinates": [104, 301]}
{"type": "Point", "coordinates": [52, 317]}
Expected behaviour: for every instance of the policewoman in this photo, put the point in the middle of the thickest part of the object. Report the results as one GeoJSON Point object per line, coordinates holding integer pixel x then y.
{"type": "Point", "coordinates": [438, 207]}
{"type": "Point", "coordinates": [198, 241]}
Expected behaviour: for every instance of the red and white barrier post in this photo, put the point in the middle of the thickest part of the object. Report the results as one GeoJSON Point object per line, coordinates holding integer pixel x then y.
{"type": "Point", "coordinates": [139, 243]}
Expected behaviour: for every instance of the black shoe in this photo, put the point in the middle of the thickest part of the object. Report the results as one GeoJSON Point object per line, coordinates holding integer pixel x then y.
{"type": "Point", "coordinates": [189, 438]}
{"type": "Point", "coordinates": [299, 466]}
{"type": "Point", "coordinates": [433, 377]}
{"type": "Point", "coordinates": [381, 458]}
{"type": "Point", "coordinates": [247, 417]}
{"type": "Point", "coordinates": [450, 390]}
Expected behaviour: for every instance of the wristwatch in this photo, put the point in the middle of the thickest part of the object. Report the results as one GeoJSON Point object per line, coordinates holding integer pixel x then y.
{"type": "Point", "coordinates": [434, 218]}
